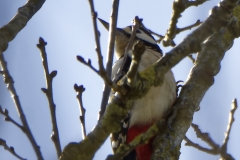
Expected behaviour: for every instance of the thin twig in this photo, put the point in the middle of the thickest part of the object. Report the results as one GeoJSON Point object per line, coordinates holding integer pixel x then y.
{"type": "Point", "coordinates": [10, 85]}
{"type": "Point", "coordinates": [88, 63]}
{"type": "Point", "coordinates": [80, 89]}
{"type": "Point", "coordinates": [8, 118]}
{"type": "Point", "coordinates": [102, 72]}
{"type": "Point", "coordinates": [97, 35]}
{"type": "Point", "coordinates": [229, 127]}
{"type": "Point", "coordinates": [204, 136]}
{"type": "Point", "coordinates": [111, 37]}
{"type": "Point", "coordinates": [49, 93]}
{"type": "Point", "coordinates": [106, 79]}
{"type": "Point", "coordinates": [10, 149]}
{"type": "Point", "coordinates": [197, 146]}
{"type": "Point", "coordinates": [197, 23]}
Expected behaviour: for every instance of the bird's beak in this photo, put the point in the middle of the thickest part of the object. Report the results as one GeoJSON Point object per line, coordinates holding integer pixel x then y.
{"type": "Point", "coordinates": [104, 23]}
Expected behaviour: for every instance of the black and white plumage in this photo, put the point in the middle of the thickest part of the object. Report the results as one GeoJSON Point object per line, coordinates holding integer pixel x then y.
{"type": "Point", "coordinates": [153, 106]}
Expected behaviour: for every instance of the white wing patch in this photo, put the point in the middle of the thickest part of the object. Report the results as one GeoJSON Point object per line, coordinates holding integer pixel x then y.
{"type": "Point", "coordinates": [140, 35]}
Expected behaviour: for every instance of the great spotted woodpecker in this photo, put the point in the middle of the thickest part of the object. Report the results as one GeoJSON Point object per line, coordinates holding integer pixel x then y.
{"type": "Point", "coordinates": [154, 105]}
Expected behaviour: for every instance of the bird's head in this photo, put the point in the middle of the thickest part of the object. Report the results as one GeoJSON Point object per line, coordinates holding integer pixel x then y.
{"type": "Point", "coordinates": [123, 35]}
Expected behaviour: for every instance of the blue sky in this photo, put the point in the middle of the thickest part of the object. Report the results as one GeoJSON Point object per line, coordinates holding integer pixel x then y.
{"type": "Point", "coordinates": [67, 27]}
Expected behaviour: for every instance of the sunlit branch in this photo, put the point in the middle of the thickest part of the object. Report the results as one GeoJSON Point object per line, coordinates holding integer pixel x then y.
{"type": "Point", "coordinates": [10, 149]}
{"type": "Point", "coordinates": [18, 22]}
{"type": "Point", "coordinates": [80, 89]}
{"type": "Point", "coordinates": [179, 6]}
{"type": "Point", "coordinates": [10, 85]}
{"type": "Point", "coordinates": [9, 119]}
{"type": "Point", "coordinates": [49, 93]}
{"type": "Point", "coordinates": [105, 78]}
{"type": "Point", "coordinates": [214, 151]}
{"type": "Point", "coordinates": [112, 32]}
{"type": "Point", "coordinates": [224, 153]}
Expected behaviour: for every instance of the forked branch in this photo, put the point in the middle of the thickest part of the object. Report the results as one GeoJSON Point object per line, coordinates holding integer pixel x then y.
{"type": "Point", "coordinates": [10, 149]}
{"type": "Point", "coordinates": [9, 119]}
{"type": "Point", "coordinates": [215, 148]}
{"type": "Point", "coordinates": [110, 53]}
{"type": "Point", "coordinates": [179, 6]}
{"type": "Point", "coordinates": [25, 127]}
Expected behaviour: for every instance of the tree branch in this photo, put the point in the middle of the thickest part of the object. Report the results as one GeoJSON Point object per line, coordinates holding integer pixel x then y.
{"type": "Point", "coordinates": [197, 23]}
{"type": "Point", "coordinates": [214, 151]}
{"type": "Point", "coordinates": [8, 118]}
{"type": "Point", "coordinates": [18, 22]}
{"type": "Point", "coordinates": [49, 93]}
{"type": "Point", "coordinates": [223, 151]}
{"type": "Point", "coordinates": [102, 71]}
{"type": "Point", "coordinates": [80, 89]}
{"type": "Point", "coordinates": [10, 85]}
{"type": "Point", "coordinates": [10, 149]}
{"type": "Point", "coordinates": [111, 37]}
{"type": "Point", "coordinates": [200, 79]}
{"type": "Point", "coordinates": [179, 7]}
{"type": "Point", "coordinates": [137, 52]}
{"type": "Point", "coordinates": [116, 111]}
{"type": "Point", "coordinates": [205, 137]}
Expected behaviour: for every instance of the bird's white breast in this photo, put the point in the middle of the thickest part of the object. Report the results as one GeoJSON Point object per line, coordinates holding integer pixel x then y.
{"type": "Point", "coordinates": [154, 105]}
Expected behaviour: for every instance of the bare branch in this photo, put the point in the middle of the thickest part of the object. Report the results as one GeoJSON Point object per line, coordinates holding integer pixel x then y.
{"type": "Point", "coordinates": [205, 137]}
{"type": "Point", "coordinates": [115, 111]}
{"type": "Point", "coordinates": [96, 33]}
{"type": "Point", "coordinates": [10, 149]}
{"type": "Point", "coordinates": [106, 79]}
{"type": "Point", "coordinates": [19, 21]}
{"type": "Point", "coordinates": [8, 118]}
{"type": "Point", "coordinates": [88, 63]}
{"type": "Point", "coordinates": [112, 32]}
{"type": "Point", "coordinates": [179, 30]}
{"type": "Point", "coordinates": [179, 6]}
{"type": "Point", "coordinates": [206, 67]}
{"type": "Point", "coordinates": [49, 93]}
{"type": "Point", "coordinates": [223, 152]}
{"type": "Point", "coordinates": [197, 146]}
{"type": "Point", "coordinates": [80, 89]}
{"type": "Point", "coordinates": [102, 72]}
{"type": "Point", "coordinates": [10, 85]}
{"type": "Point", "coordinates": [137, 52]}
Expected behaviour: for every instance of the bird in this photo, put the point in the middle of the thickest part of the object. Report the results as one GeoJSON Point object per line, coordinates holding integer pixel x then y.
{"type": "Point", "coordinates": [154, 105]}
